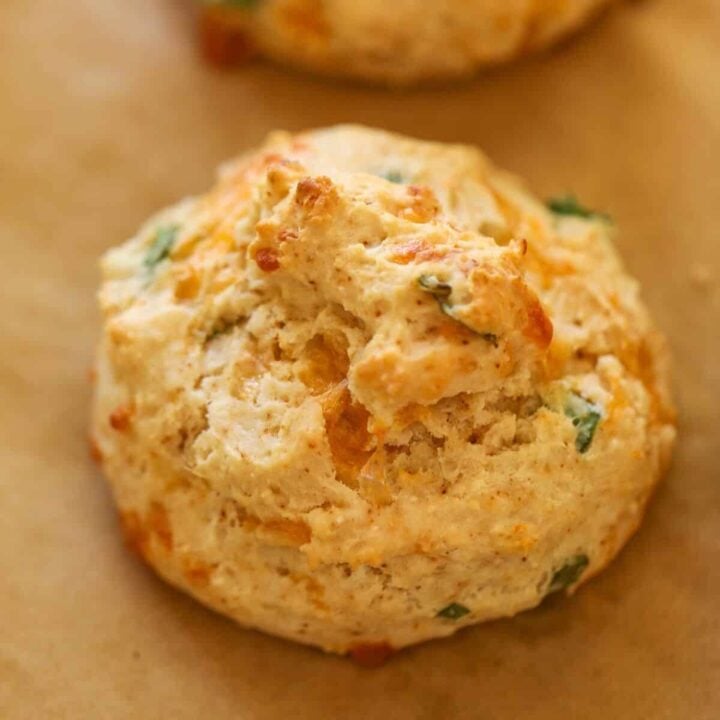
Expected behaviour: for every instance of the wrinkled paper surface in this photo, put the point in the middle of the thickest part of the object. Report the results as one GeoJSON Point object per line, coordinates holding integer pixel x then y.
{"type": "Point", "coordinates": [106, 115]}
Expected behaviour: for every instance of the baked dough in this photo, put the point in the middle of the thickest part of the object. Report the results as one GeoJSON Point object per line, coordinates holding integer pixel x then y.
{"type": "Point", "coordinates": [368, 390]}
{"type": "Point", "coordinates": [398, 42]}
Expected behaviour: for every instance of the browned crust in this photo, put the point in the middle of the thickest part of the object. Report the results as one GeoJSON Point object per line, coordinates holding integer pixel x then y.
{"type": "Point", "coordinates": [120, 418]}
{"type": "Point", "coordinates": [225, 40]}
{"type": "Point", "coordinates": [94, 449]}
{"type": "Point", "coordinates": [371, 655]}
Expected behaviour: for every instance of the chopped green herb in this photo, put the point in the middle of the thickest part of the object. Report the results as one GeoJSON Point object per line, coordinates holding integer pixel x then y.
{"type": "Point", "coordinates": [454, 611]}
{"type": "Point", "coordinates": [487, 336]}
{"type": "Point", "coordinates": [437, 288]}
{"type": "Point", "coordinates": [393, 176]}
{"type": "Point", "coordinates": [441, 291]}
{"type": "Point", "coordinates": [569, 573]}
{"type": "Point", "coordinates": [569, 205]}
{"type": "Point", "coordinates": [585, 417]}
{"type": "Point", "coordinates": [161, 246]}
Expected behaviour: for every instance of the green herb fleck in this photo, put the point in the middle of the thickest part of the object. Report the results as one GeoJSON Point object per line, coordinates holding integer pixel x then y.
{"type": "Point", "coordinates": [487, 336]}
{"type": "Point", "coordinates": [161, 246]}
{"type": "Point", "coordinates": [454, 611]}
{"type": "Point", "coordinates": [585, 417]}
{"type": "Point", "coordinates": [441, 291]}
{"type": "Point", "coordinates": [393, 176]}
{"type": "Point", "coordinates": [438, 289]}
{"type": "Point", "coordinates": [569, 573]}
{"type": "Point", "coordinates": [569, 205]}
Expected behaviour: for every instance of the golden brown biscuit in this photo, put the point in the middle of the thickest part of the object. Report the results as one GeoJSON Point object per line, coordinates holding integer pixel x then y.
{"type": "Point", "coordinates": [397, 42]}
{"type": "Point", "coordinates": [368, 390]}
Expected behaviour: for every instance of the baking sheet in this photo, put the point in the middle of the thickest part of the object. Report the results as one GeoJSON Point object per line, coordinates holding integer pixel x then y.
{"type": "Point", "coordinates": [105, 116]}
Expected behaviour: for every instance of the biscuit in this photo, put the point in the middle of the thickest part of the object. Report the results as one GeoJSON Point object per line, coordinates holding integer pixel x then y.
{"type": "Point", "coordinates": [368, 390]}
{"type": "Point", "coordinates": [398, 42]}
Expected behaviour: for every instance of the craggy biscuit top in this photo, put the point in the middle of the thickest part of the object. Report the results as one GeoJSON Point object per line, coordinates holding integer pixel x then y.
{"type": "Point", "coordinates": [357, 337]}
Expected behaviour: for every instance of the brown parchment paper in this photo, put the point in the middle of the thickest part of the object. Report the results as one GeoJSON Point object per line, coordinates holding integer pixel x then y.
{"type": "Point", "coordinates": [105, 116]}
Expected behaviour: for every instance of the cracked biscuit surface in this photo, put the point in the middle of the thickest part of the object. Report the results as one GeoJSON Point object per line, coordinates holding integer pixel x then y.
{"type": "Point", "coordinates": [367, 390]}
{"type": "Point", "coordinates": [397, 42]}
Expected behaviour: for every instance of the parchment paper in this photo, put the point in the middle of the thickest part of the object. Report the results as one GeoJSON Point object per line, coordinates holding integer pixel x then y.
{"type": "Point", "coordinates": [106, 115]}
